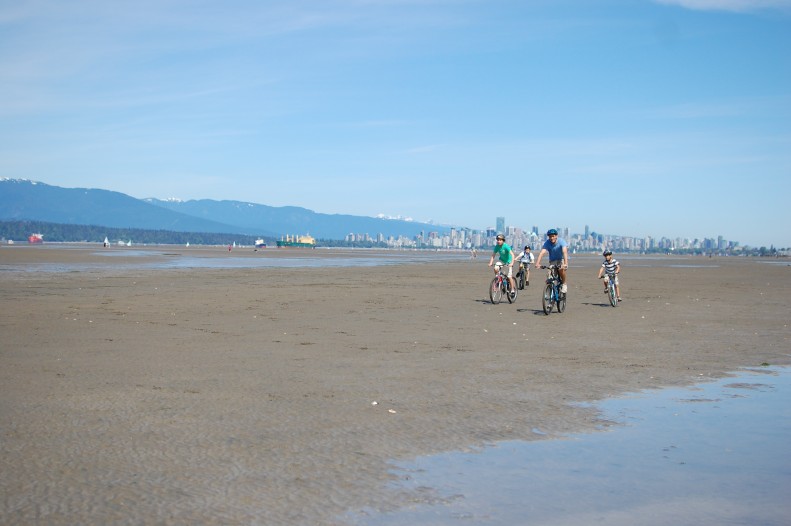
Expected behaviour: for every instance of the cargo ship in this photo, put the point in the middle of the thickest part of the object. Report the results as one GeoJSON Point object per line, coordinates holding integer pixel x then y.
{"type": "Point", "coordinates": [35, 239]}
{"type": "Point", "coordinates": [297, 241]}
{"type": "Point", "coordinates": [260, 243]}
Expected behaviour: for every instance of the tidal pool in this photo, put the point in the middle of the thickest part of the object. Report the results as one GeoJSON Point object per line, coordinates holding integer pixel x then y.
{"type": "Point", "coordinates": [714, 454]}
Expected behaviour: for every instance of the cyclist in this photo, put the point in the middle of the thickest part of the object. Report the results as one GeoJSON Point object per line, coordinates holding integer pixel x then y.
{"type": "Point", "coordinates": [527, 258]}
{"type": "Point", "coordinates": [611, 267]}
{"type": "Point", "coordinates": [558, 251]}
{"type": "Point", "coordinates": [505, 257]}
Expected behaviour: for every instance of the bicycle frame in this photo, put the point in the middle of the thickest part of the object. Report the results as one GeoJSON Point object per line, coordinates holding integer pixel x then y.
{"type": "Point", "coordinates": [609, 280]}
{"type": "Point", "coordinates": [553, 278]}
{"type": "Point", "coordinates": [521, 275]}
{"type": "Point", "coordinates": [500, 286]}
{"type": "Point", "coordinates": [552, 294]}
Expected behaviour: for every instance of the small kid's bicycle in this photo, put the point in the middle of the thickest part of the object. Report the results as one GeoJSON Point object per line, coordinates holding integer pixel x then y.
{"type": "Point", "coordinates": [501, 286]}
{"type": "Point", "coordinates": [609, 281]}
{"type": "Point", "coordinates": [552, 293]}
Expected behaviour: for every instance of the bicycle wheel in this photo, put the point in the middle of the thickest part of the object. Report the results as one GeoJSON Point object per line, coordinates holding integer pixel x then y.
{"type": "Point", "coordinates": [546, 300]}
{"type": "Point", "coordinates": [561, 301]}
{"type": "Point", "coordinates": [509, 290]}
{"type": "Point", "coordinates": [520, 280]}
{"type": "Point", "coordinates": [495, 291]}
{"type": "Point", "coordinates": [613, 297]}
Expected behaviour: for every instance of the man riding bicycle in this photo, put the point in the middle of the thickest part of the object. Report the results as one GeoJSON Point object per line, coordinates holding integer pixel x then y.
{"type": "Point", "coordinates": [558, 251]}
{"type": "Point", "coordinates": [527, 258]}
{"type": "Point", "coordinates": [506, 257]}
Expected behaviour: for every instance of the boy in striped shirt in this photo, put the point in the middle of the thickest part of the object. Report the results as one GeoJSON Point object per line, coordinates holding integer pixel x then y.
{"type": "Point", "coordinates": [610, 268]}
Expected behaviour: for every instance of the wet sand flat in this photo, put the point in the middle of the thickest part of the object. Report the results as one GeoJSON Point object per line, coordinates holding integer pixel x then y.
{"type": "Point", "coordinates": [245, 395]}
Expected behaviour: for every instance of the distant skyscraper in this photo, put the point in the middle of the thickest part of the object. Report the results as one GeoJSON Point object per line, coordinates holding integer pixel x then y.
{"type": "Point", "coordinates": [587, 231]}
{"type": "Point", "coordinates": [501, 225]}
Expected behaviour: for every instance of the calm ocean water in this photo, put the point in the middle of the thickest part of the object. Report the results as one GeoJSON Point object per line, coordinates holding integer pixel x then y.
{"type": "Point", "coordinates": [710, 455]}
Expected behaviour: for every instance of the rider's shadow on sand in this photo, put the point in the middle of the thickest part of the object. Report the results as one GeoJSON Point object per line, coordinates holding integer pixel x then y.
{"type": "Point", "coordinates": [591, 304]}
{"type": "Point", "coordinates": [535, 312]}
{"type": "Point", "coordinates": [505, 302]}
{"type": "Point", "coordinates": [487, 301]}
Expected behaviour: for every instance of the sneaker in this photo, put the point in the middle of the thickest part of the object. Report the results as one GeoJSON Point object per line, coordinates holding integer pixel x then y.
{"type": "Point", "coordinates": [527, 284]}
{"type": "Point", "coordinates": [619, 299]}
{"type": "Point", "coordinates": [564, 288]}
{"type": "Point", "coordinates": [513, 295]}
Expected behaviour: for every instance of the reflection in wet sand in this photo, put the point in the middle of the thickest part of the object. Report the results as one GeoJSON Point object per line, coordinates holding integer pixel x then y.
{"type": "Point", "coordinates": [711, 455]}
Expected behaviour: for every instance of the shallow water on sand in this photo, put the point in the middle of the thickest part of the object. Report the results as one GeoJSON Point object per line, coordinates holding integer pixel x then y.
{"type": "Point", "coordinates": [218, 258]}
{"type": "Point", "coordinates": [709, 455]}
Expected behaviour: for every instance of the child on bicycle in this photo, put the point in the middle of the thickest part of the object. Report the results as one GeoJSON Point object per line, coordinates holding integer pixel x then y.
{"type": "Point", "coordinates": [610, 267]}
{"type": "Point", "coordinates": [505, 257]}
{"type": "Point", "coordinates": [527, 258]}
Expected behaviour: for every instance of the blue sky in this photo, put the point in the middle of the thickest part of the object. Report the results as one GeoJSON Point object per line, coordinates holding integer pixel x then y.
{"type": "Point", "coordinates": [640, 117]}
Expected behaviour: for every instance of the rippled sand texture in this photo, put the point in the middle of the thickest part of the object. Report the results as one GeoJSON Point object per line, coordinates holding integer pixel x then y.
{"type": "Point", "coordinates": [245, 396]}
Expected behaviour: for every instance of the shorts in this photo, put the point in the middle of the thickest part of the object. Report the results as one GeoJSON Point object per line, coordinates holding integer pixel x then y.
{"type": "Point", "coordinates": [557, 262]}
{"type": "Point", "coordinates": [500, 264]}
{"type": "Point", "coordinates": [607, 278]}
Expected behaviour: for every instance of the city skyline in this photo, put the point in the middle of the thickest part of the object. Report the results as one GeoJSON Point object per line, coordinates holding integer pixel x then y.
{"type": "Point", "coordinates": [538, 235]}
{"type": "Point", "coordinates": [647, 117]}
{"type": "Point", "coordinates": [588, 241]}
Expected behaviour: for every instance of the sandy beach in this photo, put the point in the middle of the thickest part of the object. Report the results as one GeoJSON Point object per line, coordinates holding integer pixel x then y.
{"type": "Point", "coordinates": [280, 395]}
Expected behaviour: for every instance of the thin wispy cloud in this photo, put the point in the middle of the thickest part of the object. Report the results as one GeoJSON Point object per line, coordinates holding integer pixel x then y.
{"type": "Point", "coordinates": [695, 111]}
{"type": "Point", "coordinates": [424, 149]}
{"type": "Point", "coordinates": [722, 109]}
{"type": "Point", "coordinates": [730, 5]}
{"type": "Point", "coordinates": [377, 123]}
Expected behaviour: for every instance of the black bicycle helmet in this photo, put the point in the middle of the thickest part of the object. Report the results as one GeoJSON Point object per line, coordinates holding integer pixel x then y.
{"type": "Point", "coordinates": [607, 253]}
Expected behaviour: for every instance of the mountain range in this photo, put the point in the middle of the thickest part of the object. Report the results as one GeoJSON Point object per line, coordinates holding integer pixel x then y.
{"type": "Point", "coordinates": [21, 199]}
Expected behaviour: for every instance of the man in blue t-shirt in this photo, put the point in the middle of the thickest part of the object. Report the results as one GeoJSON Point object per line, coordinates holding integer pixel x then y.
{"type": "Point", "coordinates": [558, 251]}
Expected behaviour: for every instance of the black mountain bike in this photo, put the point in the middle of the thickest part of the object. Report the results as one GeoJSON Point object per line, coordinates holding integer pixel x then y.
{"type": "Point", "coordinates": [552, 292]}
{"type": "Point", "coordinates": [521, 277]}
